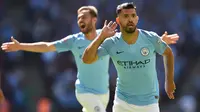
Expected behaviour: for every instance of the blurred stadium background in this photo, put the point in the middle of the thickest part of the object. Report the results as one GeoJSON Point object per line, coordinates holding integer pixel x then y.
{"type": "Point", "coordinates": [34, 82]}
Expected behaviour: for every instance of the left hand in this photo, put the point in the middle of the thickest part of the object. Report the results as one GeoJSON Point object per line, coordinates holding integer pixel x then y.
{"type": "Point", "coordinates": [170, 39]}
{"type": "Point", "coordinates": [170, 89]}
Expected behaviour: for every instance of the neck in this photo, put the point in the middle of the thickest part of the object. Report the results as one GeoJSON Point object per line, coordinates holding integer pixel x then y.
{"type": "Point", "coordinates": [91, 35]}
{"type": "Point", "coordinates": [130, 38]}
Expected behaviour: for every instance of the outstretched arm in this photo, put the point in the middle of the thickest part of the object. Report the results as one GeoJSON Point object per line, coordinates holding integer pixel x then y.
{"type": "Point", "coordinates": [90, 53]}
{"type": "Point", "coordinates": [31, 47]}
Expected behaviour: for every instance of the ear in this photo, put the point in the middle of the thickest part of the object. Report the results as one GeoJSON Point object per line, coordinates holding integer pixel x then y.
{"type": "Point", "coordinates": [117, 20]}
{"type": "Point", "coordinates": [95, 19]}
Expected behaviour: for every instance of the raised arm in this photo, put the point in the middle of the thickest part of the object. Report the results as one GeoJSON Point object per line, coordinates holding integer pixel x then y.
{"type": "Point", "coordinates": [15, 45]}
{"type": "Point", "coordinates": [90, 53]}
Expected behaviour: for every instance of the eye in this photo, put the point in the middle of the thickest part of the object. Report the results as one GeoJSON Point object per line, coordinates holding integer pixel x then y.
{"type": "Point", "coordinates": [133, 15]}
{"type": "Point", "coordinates": [125, 15]}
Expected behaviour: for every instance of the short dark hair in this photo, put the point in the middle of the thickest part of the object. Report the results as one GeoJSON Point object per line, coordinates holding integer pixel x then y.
{"type": "Point", "coordinates": [92, 10]}
{"type": "Point", "coordinates": [127, 5]}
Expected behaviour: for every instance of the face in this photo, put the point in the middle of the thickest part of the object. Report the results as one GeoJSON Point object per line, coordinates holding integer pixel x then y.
{"type": "Point", "coordinates": [128, 20]}
{"type": "Point", "coordinates": [85, 21]}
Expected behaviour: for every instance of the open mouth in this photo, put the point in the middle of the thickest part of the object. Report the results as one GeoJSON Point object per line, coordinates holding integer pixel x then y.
{"type": "Point", "coordinates": [82, 26]}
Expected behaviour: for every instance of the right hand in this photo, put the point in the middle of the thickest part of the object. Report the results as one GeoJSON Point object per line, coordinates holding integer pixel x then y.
{"type": "Point", "coordinates": [109, 29]}
{"type": "Point", "coordinates": [170, 88]}
{"type": "Point", "coordinates": [11, 46]}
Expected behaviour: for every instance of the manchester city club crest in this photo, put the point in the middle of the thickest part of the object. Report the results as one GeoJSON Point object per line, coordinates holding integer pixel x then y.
{"type": "Point", "coordinates": [145, 51]}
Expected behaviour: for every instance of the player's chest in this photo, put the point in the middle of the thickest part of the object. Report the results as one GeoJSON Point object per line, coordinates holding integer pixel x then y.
{"type": "Point", "coordinates": [79, 47]}
{"type": "Point", "coordinates": [133, 52]}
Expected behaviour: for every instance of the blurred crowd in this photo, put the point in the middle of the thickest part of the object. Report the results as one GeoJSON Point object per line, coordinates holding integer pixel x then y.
{"type": "Point", "coordinates": [29, 78]}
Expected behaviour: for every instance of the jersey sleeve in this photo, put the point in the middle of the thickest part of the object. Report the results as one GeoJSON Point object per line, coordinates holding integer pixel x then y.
{"type": "Point", "coordinates": [64, 44]}
{"type": "Point", "coordinates": [104, 48]}
{"type": "Point", "coordinates": [158, 43]}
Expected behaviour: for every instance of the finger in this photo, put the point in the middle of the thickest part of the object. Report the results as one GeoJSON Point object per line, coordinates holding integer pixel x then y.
{"type": "Point", "coordinates": [110, 23]}
{"type": "Point", "coordinates": [12, 39]}
{"type": "Point", "coordinates": [5, 49]}
{"type": "Point", "coordinates": [172, 42]}
{"type": "Point", "coordinates": [174, 38]}
{"type": "Point", "coordinates": [114, 26]}
{"type": "Point", "coordinates": [172, 96]}
{"type": "Point", "coordinates": [165, 33]}
{"type": "Point", "coordinates": [173, 34]}
{"type": "Point", "coordinates": [6, 43]}
{"type": "Point", "coordinates": [169, 95]}
{"type": "Point", "coordinates": [2, 46]}
{"type": "Point", "coordinates": [105, 22]}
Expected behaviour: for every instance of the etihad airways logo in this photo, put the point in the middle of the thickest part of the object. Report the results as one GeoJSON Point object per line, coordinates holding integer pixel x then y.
{"type": "Point", "coordinates": [133, 64]}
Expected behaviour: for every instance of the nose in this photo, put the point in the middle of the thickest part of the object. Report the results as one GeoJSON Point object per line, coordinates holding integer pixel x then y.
{"type": "Point", "coordinates": [130, 20]}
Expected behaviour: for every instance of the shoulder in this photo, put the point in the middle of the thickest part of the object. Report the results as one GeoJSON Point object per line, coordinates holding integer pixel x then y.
{"type": "Point", "coordinates": [74, 37]}
{"type": "Point", "coordinates": [148, 34]}
{"type": "Point", "coordinates": [113, 40]}
{"type": "Point", "coordinates": [78, 36]}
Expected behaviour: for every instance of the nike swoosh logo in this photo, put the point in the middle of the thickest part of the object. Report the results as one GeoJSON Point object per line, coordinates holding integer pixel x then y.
{"type": "Point", "coordinates": [119, 52]}
{"type": "Point", "coordinates": [81, 47]}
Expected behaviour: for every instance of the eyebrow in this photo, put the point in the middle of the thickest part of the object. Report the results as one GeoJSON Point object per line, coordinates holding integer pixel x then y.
{"type": "Point", "coordinates": [80, 15]}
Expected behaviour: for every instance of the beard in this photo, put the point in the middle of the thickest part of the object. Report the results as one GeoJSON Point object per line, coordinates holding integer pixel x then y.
{"type": "Point", "coordinates": [86, 28]}
{"type": "Point", "coordinates": [129, 28]}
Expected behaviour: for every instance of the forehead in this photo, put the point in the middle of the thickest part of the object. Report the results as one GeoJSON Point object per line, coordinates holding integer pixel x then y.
{"type": "Point", "coordinates": [128, 11]}
{"type": "Point", "coordinates": [84, 13]}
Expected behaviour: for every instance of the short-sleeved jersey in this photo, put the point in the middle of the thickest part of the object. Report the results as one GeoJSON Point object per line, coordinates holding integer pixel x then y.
{"type": "Point", "coordinates": [92, 78]}
{"type": "Point", "coordinates": [137, 81]}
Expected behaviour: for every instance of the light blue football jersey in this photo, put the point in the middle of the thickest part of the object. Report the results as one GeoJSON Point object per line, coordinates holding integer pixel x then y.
{"type": "Point", "coordinates": [137, 81]}
{"type": "Point", "coordinates": [91, 78]}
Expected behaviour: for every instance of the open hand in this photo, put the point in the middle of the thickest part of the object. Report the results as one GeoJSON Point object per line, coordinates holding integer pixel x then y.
{"type": "Point", "coordinates": [170, 39]}
{"type": "Point", "coordinates": [11, 46]}
{"type": "Point", "coordinates": [109, 29]}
